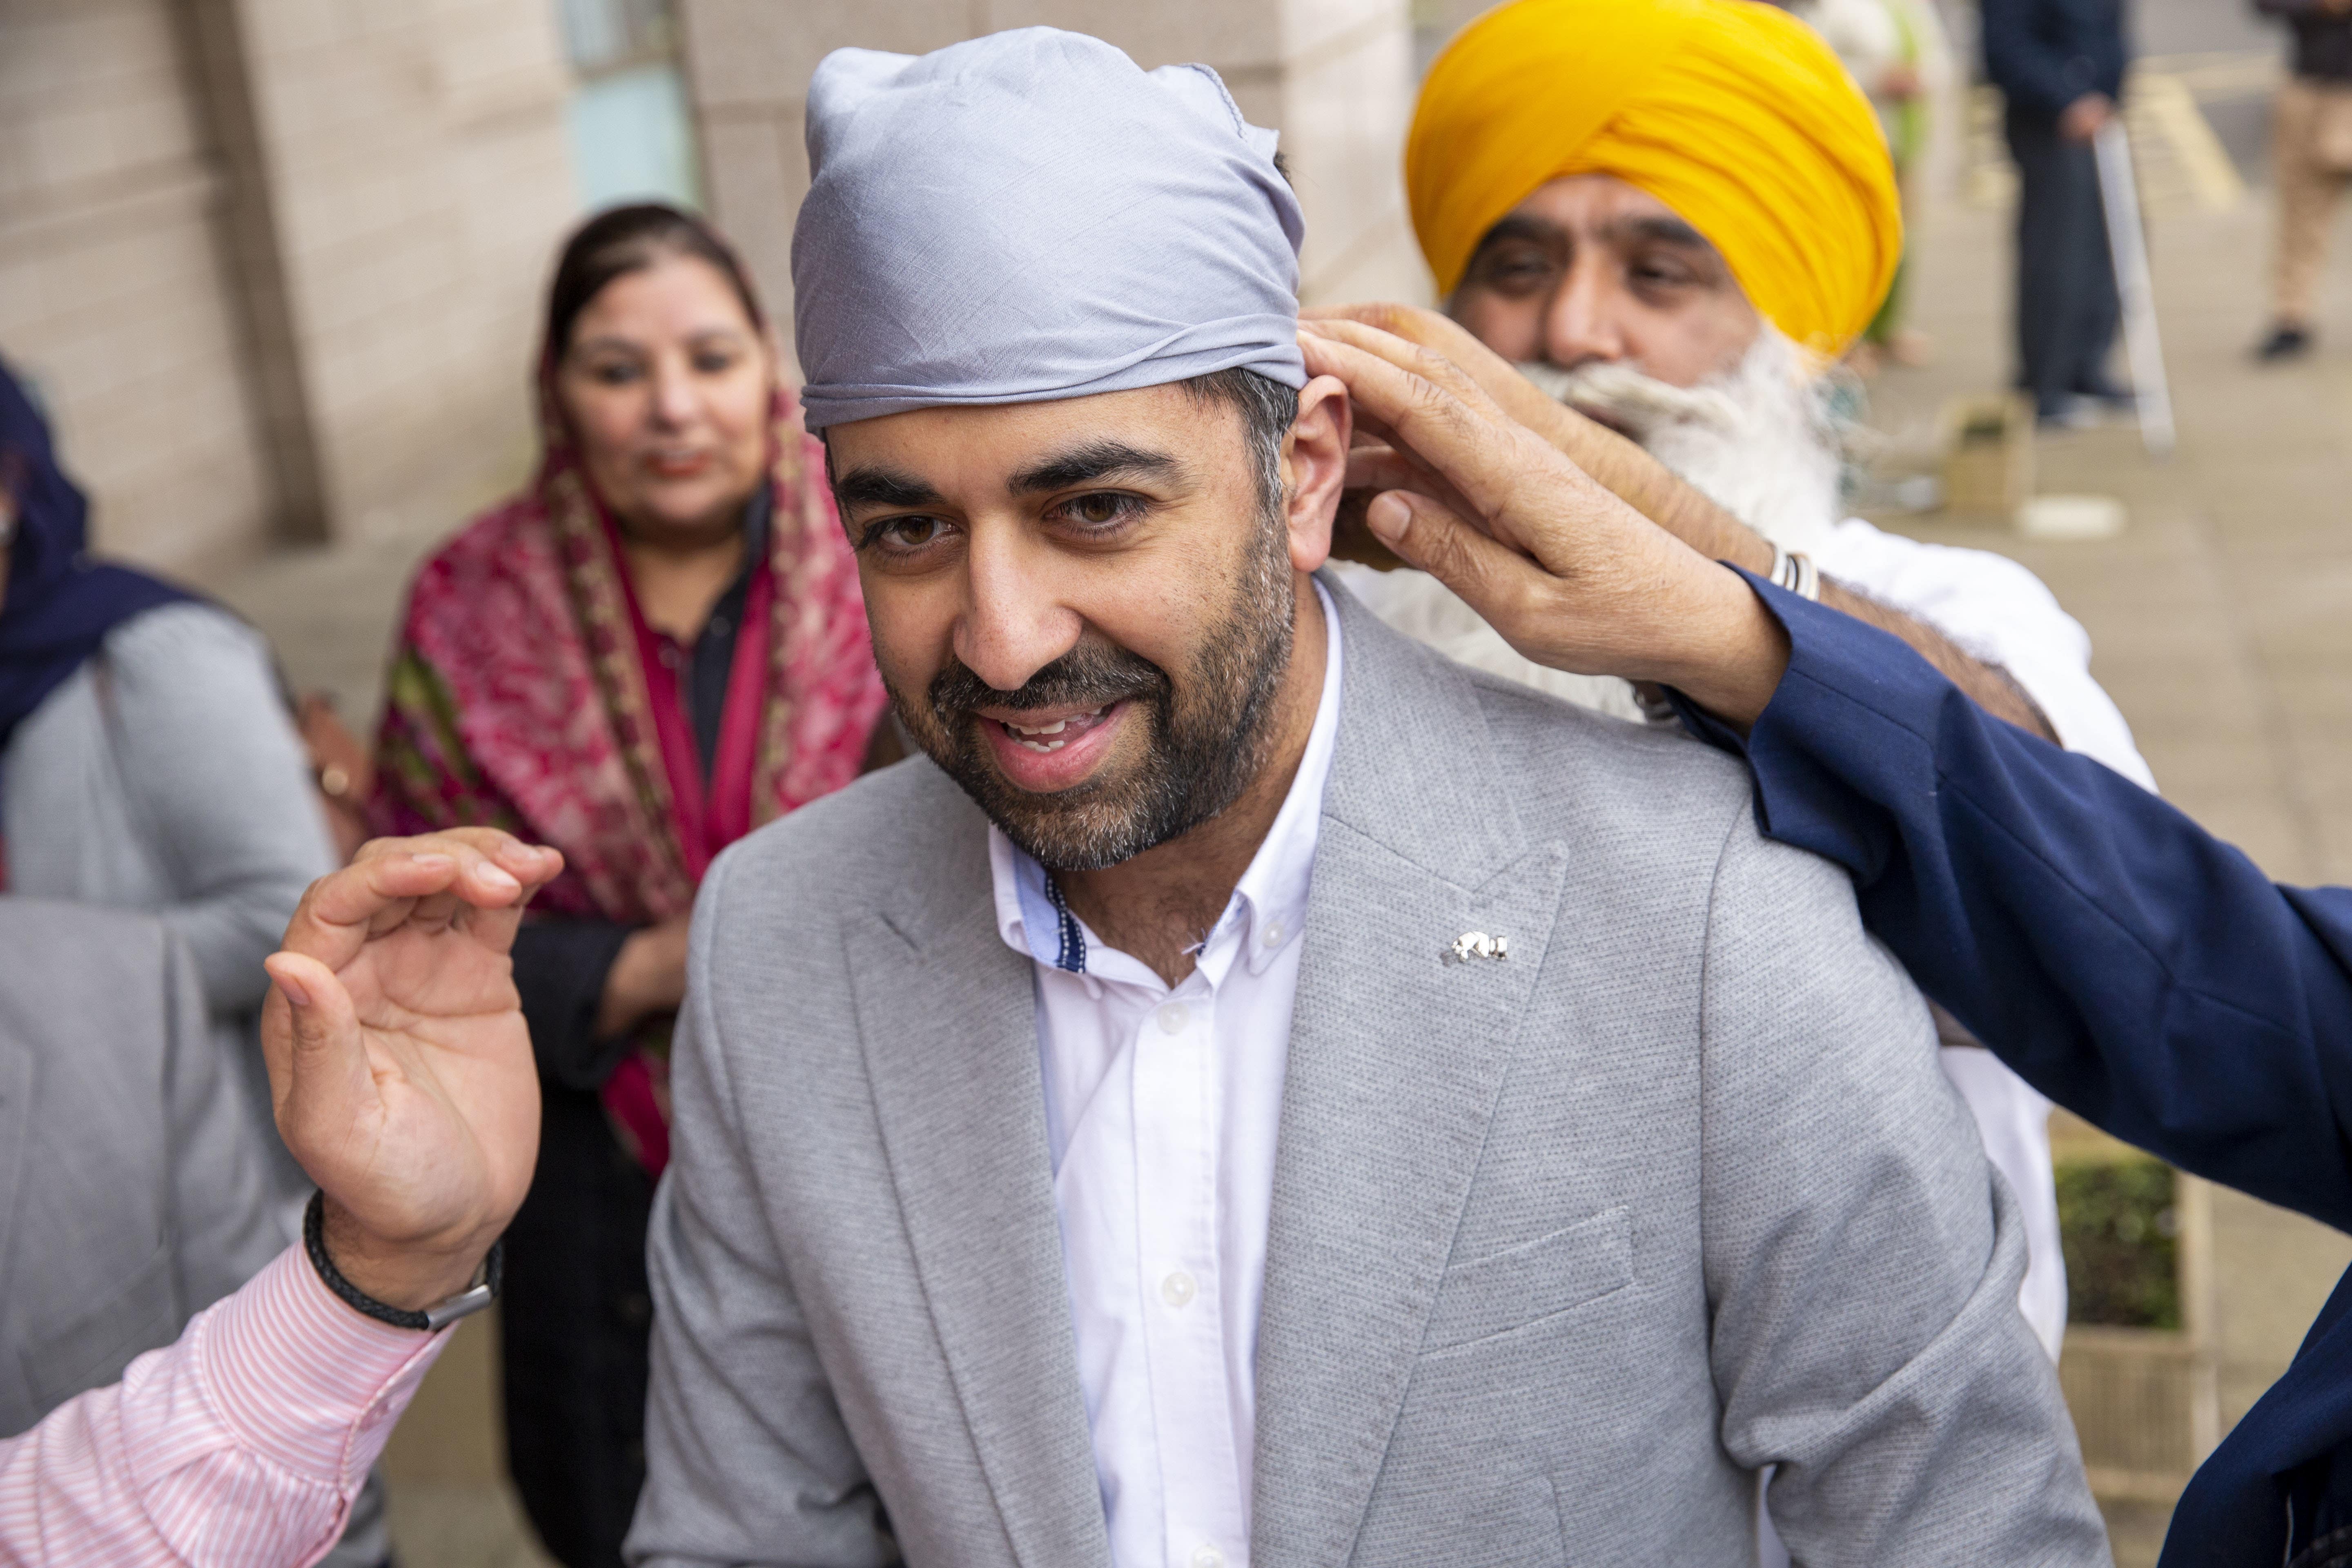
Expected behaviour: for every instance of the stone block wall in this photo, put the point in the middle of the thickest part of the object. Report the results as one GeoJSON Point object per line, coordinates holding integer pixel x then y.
{"type": "Point", "coordinates": [1335, 77]}
{"type": "Point", "coordinates": [114, 295]}
{"type": "Point", "coordinates": [275, 263]}
{"type": "Point", "coordinates": [416, 181]}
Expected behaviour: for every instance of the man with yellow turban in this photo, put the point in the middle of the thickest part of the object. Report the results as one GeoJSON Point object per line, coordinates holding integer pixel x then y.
{"type": "Point", "coordinates": [1731, 116]}
{"type": "Point", "coordinates": [1673, 216]}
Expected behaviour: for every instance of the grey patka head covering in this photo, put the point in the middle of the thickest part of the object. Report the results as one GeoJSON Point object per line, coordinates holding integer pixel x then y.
{"type": "Point", "coordinates": [1030, 217]}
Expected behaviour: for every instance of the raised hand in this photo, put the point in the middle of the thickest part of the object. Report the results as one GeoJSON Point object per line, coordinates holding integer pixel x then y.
{"type": "Point", "coordinates": [1620, 465]}
{"type": "Point", "coordinates": [400, 1067]}
{"type": "Point", "coordinates": [1568, 573]}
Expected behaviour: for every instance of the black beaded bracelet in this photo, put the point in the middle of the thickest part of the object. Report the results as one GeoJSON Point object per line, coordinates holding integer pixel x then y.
{"type": "Point", "coordinates": [438, 1317]}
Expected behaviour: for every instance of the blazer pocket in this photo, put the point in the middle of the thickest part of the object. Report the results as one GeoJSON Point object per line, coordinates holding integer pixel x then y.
{"type": "Point", "coordinates": [1511, 1288]}
{"type": "Point", "coordinates": [93, 1349]}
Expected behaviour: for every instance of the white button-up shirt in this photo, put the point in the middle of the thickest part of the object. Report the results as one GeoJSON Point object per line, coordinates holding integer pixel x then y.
{"type": "Point", "coordinates": [1161, 1105]}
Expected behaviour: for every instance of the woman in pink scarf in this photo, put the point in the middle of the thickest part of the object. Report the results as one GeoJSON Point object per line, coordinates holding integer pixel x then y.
{"type": "Point", "coordinates": [657, 646]}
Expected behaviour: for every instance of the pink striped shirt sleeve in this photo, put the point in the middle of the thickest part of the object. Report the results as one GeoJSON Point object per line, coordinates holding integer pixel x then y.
{"type": "Point", "coordinates": [238, 1446]}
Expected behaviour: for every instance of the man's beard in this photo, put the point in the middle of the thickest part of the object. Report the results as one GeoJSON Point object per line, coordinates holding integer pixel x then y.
{"type": "Point", "coordinates": [1758, 439]}
{"type": "Point", "coordinates": [1208, 731]}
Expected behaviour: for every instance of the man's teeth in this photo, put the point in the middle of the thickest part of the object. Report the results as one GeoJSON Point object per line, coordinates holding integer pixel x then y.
{"type": "Point", "coordinates": [1029, 735]}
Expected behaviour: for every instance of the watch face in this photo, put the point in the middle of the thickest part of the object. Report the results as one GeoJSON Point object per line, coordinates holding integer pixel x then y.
{"type": "Point", "coordinates": [464, 1305]}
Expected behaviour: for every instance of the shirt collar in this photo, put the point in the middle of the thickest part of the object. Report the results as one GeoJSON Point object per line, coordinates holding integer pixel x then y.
{"type": "Point", "coordinates": [1269, 904]}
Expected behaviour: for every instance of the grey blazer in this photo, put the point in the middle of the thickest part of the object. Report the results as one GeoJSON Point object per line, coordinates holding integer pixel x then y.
{"type": "Point", "coordinates": [132, 1184]}
{"type": "Point", "coordinates": [1563, 1248]}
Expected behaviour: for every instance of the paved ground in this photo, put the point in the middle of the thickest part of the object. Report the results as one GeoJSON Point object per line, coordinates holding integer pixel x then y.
{"type": "Point", "coordinates": [2222, 619]}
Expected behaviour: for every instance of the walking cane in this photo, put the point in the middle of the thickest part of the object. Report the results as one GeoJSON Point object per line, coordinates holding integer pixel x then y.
{"type": "Point", "coordinates": [2127, 243]}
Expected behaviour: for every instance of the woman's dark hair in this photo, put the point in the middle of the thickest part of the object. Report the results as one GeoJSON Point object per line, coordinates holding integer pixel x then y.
{"type": "Point", "coordinates": [630, 239]}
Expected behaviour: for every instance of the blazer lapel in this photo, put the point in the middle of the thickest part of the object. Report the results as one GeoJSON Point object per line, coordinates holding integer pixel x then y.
{"type": "Point", "coordinates": [1397, 1054]}
{"type": "Point", "coordinates": [947, 1013]}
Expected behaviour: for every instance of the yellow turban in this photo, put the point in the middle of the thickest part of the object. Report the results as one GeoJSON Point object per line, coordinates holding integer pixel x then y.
{"type": "Point", "coordinates": [1731, 113]}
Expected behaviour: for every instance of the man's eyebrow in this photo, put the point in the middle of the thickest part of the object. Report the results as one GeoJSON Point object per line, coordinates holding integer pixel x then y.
{"type": "Point", "coordinates": [1665, 230]}
{"type": "Point", "coordinates": [1519, 225]}
{"type": "Point", "coordinates": [1094, 461]}
{"type": "Point", "coordinates": [867, 485]}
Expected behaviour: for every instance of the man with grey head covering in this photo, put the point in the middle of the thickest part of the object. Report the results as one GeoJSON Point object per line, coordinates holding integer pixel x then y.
{"type": "Point", "coordinates": [1253, 1090]}
{"type": "Point", "coordinates": [973, 236]}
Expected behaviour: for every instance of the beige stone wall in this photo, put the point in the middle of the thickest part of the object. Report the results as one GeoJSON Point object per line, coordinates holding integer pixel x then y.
{"type": "Point", "coordinates": [275, 263]}
{"type": "Point", "coordinates": [418, 181]}
{"type": "Point", "coordinates": [113, 297]}
{"type": "Point", "coordinates": [2271, 1271]}
{"type": "Point", "coordinates": [1335, 77]}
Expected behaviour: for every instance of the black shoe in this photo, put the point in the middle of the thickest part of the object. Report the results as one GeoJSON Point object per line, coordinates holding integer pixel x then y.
{"type": "Point", "coordinates": [2108, 396]}
{"type": "Point", "coordinates": [2072, 413]}
{"type": "Point", "coordinates": [2285, 342]}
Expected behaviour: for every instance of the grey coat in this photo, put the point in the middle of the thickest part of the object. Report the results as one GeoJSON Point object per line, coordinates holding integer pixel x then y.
{"type": "Point", "coordinates": [1562, 1248]}
{"type": "Point", "coordinates": [131, 1170]}
{"type": "Point", "coordinates": [166, 775]}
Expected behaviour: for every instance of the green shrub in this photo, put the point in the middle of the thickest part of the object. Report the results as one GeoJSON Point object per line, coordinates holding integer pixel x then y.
{"type": "Point", "coordinates": [2122, 1237]}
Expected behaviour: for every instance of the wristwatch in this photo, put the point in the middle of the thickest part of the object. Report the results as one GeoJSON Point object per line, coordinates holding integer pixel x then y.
{"type": "Point", "coordinates": [432, 1320]}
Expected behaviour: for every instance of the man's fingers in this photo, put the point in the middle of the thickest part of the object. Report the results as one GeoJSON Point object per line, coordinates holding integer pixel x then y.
{"type": "Point", "coordinates": [1426, 534]}
{"type": "Point", "coordinates": [1430, 329]}
{"type": "Point", "coordinates": [1382, 314]}
{"type": "Point", "coordinates": [1439, 337]}
{"type": "Point", "coordinates": [319, 1076]}
{"type": "Point", "coordinates": [384, 884]}
{"type": "Point", "coordinates": [494, 927]}
{"type": "Point", "coordinates": [1405, 354]}
{"type": "Point", "coordinates": [1468, 447]}
{"type": "Point", "coordinates": [1375, 469]}
{"type": "Point", "coordinates": [529, 864]}
{"type": "Point", "coordinates": [1415, 323]}
{"type": "Point", "coordinates": [1421, 417]}
{"type": "Point", "coordinates": [335, 916]}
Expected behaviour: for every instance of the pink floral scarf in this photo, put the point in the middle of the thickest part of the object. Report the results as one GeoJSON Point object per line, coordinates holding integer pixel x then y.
{"type": "Point", "coordinates": [519, 699]}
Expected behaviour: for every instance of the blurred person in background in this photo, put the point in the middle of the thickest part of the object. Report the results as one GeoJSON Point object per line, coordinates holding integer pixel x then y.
{"type": "Point", "coordinates": [655, 647]}
{"type": "Point", "coordinates": [147, 756]}
{"type": "Point", "coordinates": [149, 760]}
{"type": "Point", "coordinates": [134, 1194]}
{"type": "Point", "coordinates": [1672, 216]}
{"type": "Point", "coordinates": [2060, 67]}
{"type": "Point", "coordinates": [2311, 158]}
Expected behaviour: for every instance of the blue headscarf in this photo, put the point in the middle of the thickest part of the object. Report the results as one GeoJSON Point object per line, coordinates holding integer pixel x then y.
{"type": "Point", "coordinates": [60, 604]}
{"type": "Point", "coordinates": [1029, 216]}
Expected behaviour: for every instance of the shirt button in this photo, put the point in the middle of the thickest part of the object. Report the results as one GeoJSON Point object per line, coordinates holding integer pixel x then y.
{"type": "Point", "coordinates": [1178, 1289]}
{"type": "Point", "coordinates": [1173, 1017]}
{"type": "Point", "coordinates": [1208, 1557]}
{"type": "Point", "coordinates": [1273, 934]}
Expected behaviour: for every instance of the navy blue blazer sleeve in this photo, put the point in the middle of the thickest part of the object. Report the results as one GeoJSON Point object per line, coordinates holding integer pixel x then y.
{"type": "Point", "coordinates": [2126, 963]}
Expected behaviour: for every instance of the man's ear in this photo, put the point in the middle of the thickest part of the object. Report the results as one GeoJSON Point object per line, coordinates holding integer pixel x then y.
{"type": "Point", "coordinates": [1315, 467]}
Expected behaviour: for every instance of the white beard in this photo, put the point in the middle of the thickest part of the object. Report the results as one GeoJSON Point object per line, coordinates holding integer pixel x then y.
{"type": "Point", "coordinates": [1758, 439]}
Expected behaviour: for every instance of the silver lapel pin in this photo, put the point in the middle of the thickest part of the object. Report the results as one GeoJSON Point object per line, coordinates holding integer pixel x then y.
{"type": "Point", "coordinates": [1472, 945]}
